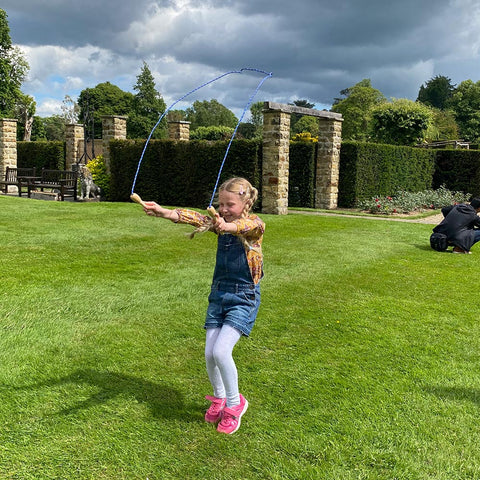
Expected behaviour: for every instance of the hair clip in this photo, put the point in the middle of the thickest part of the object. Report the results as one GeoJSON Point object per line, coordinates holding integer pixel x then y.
{"type": "Point", "coordinates": [241, 192]}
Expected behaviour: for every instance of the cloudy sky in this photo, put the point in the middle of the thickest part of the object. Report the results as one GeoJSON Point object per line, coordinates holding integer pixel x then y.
{"type": "Point", "coordinates": [314, 48]}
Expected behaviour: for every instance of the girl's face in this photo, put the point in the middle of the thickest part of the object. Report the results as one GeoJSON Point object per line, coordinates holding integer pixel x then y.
{"type": "Point", "coordinates": [230, 206]}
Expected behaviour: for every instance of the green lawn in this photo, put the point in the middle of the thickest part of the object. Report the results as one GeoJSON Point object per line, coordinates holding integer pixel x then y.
{"type": "Point", "coordinates": [363, 363]}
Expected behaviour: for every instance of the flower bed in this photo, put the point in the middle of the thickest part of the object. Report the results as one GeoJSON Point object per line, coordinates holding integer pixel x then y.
{"type": "Point", "coordinates": [407, 202]}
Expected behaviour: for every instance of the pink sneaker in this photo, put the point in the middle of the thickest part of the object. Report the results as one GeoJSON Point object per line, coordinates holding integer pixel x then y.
{"type": "Point", "coordinates": [214, 412]}
{"type": "Point", "coordinates": [231, 417]}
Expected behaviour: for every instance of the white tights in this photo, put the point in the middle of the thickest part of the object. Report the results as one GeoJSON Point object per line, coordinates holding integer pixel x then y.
{"type": "Point", "coordinates": [221, 368]}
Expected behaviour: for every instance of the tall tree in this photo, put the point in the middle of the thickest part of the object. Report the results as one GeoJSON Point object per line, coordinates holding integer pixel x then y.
{"type": "Point", "coordinates": [356, 109]}
{"type": "Point", "coordinates": [465, 102]}
{"type": "Point", "coordinates": [104, 99]}
{"type": "Point", "coordinates": [437, 92]}
{"type": "Point", "coordinates": [148, 105]}
{"type": "Point", "coordinates": [70, 110]}
{"type": "Point", "coordinates": [13, 69]}
{"type": "Point", "coordinates": [25, 110]}
{"type": "Point", "coordinates": [210, 113]}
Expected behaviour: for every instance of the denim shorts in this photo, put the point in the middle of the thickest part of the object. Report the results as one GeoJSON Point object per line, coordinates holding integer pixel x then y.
{"type": "Point", "coordinates": [237, 307]}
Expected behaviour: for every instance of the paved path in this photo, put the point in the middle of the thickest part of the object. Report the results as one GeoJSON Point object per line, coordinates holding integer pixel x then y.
{"type": "Point", "coordinates": [431, 220]}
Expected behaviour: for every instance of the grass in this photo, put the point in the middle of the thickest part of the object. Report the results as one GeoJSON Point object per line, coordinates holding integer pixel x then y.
{"type": "Point", "coordinates": [363, 363]}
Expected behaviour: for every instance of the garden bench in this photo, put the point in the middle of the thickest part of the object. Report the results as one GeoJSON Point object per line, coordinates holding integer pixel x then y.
{"type": "Point", "coordinates": [63, 181]}
{"type": "Point", "coordinates": [17, 177]}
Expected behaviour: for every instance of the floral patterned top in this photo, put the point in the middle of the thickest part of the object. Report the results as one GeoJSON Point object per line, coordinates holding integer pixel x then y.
{"type": "Point", "coordinates": [250, 228]}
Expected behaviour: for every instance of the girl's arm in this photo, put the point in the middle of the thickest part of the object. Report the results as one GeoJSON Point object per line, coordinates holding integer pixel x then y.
{"type": "Point", "coordinates": [155, 210]}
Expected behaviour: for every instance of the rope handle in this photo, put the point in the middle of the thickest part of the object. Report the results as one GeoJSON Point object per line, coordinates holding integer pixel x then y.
{"type": "Point", "coordinates": [136, 198]}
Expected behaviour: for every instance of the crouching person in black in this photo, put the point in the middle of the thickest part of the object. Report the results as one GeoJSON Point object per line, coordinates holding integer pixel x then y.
{"type": "Point", "coordinates": [460, 227]}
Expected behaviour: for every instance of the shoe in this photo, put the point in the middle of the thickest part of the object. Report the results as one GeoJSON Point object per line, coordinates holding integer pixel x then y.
{"type": "Point", "coordinates": [459, 250]}
{"type": "Point", "coordinates": [231, 417]}
{"type": "Point", "coordinates": [214, 412]}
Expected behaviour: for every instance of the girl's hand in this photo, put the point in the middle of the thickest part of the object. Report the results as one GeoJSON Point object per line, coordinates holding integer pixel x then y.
{"type": "Point", "coordinates": [221, 226]}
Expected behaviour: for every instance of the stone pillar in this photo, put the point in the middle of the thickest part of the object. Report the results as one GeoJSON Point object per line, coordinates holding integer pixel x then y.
{"type": "Point", "coordinates": [74, 134]}
{"type": "Point", "coordinates": [276, 148]}
{"type": "Point", "coordinates": [328, 162]}
{"type": "Point", "coordinates": [179, 130]}
{"type": "Point", "coordinates": [8, 146]}
{"type": "Point", "coordinates": [113, 127]}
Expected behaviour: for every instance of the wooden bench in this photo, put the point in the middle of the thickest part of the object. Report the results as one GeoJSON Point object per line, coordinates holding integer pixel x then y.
{"type": "Point", "coordinates": [62, 181]}
{"type": "Point", "coordinates": [17, 177]}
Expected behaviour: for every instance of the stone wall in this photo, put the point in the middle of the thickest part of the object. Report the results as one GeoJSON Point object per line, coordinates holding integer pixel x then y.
{"type": "Point", "coordinates": [276, 136]}
{"type": "Point", "coordinates": [8, 146]}
{"type": "Point", "coordinates": [276, 151]}
{"type": "Point", "coordinates": [179, 131]}
{"type": "Point", "coordinates": [328, 163]}
{"type": "Point", "coordinates": [113, 127]}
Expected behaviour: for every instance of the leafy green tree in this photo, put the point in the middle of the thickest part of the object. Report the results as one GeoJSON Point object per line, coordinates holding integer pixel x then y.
{"type": "Point", "coordinates": [148, 106]}
{"type": "Point", "coordinates": [443, 126]}
{"type": "Point", "coordinates": [176, 115]}
{"type": "Point", "coordinates": [401, 122]}
{"type": "Point", "coordinates": [13, 70]}
{"type": "Point", "coordinates": [295, 117]}
{"type": "Point", "coordinates": [437, 92]}
{"type": "Point", "coordinates": [356, 109]}
{"type": "Point", "coordinates": [104, 99]}
{"type": "Point", "coordinates": [465, 102]}
{"type": "Point", "coordinates": [54, 128]}
{"type": "Point", "coordinates": [256, 114]}
{"type": "Point", "coordinates": [210, 113]}
{"type": "Point", "coordinates": [307, 124]}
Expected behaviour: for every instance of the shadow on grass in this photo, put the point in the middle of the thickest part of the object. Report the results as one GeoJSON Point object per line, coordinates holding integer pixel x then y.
{"type": "Point", "coordinates": [163, 401]}
{"type": "Point", "coordinates": [456, 393]}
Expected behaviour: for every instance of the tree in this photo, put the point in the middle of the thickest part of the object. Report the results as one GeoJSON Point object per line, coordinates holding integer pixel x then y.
{"type": "Point", "coordinates": [307, 124]}
{"type": "Point", "coordinates": [437, 92]}
{"type": "Point", "coordinates": [443, 126]}
{"type": "Point", "coordinates": [25, 110]}
{"type": "Point", "coordinates": [356, 109]}
{"type": "Point", "coordinates": [465, 102]}
{"type": "Point", "coordinates": [13, 70]}
{"type": "Point", "coordinates": [210, 113]}
{"type": "Point", "coordinates": [401, 122]}
{"type": "Point", "coordinates": [256, 114]}
{"type": "Point", "coordinates": [104, 99]}
{"type": "Point", "coordinates": [148, 106]}
{"type": "Point", "coordinates": [295, 117]}
{"type": "Point", "coordinates": [70, 110]}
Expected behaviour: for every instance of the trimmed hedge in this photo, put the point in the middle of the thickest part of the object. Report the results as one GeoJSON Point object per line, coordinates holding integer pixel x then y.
{"type": "Point", "coordinates": [458, 170]}
{"type": "Point", "coordinates": [301, 181]}
{"type": "Point", "coordinates": [49, 155]}
{"type": "Point", "coordinates": [369, 169]}
{"type": "Point", "coordinates": [180, 173]}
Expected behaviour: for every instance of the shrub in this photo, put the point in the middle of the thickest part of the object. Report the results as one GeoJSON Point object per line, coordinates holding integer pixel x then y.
{"type": "Point", "coordinates": [304, 137]}
{"type": "Point", "coordinates": [406, 202]}
{"type": "Point", "coordinates": [212, 133]}
{"type": "Point", "coordinates": [99, 173]}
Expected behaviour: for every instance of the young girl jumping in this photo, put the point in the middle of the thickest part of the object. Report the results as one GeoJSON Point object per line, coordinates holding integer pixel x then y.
{"type": "Point", "coordinates": [235, 292]}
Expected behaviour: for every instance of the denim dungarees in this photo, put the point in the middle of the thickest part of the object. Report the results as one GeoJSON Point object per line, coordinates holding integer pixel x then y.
{"type": "Point", "coordinates": [234, 298]}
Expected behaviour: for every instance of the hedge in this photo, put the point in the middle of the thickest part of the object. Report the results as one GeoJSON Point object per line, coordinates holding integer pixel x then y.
{"type": "Point", "coordinates": [49, 155]}
{"type": "Point", "coordinates": [301, 180]}
{"type": "Point", "coordinates": [368, 169]}
{"type": "Point", "coordinates": [180, 173]}
{"type": "Point", "coordinates": [458, 170]}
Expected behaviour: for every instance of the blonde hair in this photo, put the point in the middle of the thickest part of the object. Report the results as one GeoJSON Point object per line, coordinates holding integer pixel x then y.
{"type": "Point", "coordinates": [240, 186]}
{"type": "Point", "coordinates": [244, 189]}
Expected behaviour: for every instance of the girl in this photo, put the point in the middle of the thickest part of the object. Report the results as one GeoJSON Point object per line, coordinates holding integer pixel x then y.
{"type": "Point", "coordinates": [235, 292]}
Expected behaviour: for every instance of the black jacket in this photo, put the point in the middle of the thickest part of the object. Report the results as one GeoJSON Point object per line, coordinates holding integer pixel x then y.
{"type": "Point", "coordinates": [458, 225]}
